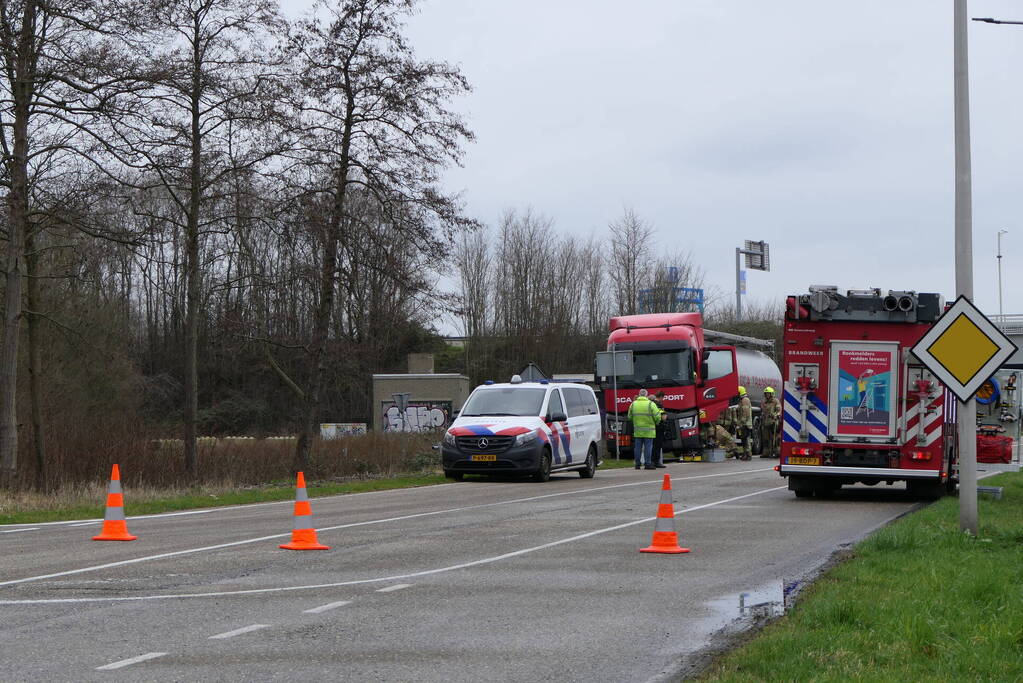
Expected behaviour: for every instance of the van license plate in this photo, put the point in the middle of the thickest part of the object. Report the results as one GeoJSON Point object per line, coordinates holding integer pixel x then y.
{"type": "Point", "coordinates": [801, 461]}
{"type": "Point", "coordinates": [484, 458]}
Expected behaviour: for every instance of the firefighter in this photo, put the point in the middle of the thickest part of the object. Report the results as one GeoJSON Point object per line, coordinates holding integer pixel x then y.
{"type": "Point", "coordinates": [722, 437]}
{"type": "Point", "coordinates": [744, 428]}
{"type": "Point", "coordinates": [770, 420]}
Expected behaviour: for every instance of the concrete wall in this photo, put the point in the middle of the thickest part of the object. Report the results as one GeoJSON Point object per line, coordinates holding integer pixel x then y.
{"type": "Point", "coordinates": [433, 398]}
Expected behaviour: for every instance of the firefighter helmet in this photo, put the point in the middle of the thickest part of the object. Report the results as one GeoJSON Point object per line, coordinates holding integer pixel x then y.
{"type": "Point", "coordinates": [768, 390]}
{"type": "Point", "coordinates": [703, 414]}
{"type": "Point", "coordinates": [742, 391]}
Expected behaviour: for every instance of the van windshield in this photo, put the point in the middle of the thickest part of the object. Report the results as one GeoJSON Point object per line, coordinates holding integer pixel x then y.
{"type": "Point", "coordinates": [504, 401]}
{"type": "Point", "coordinates": [659, 368]}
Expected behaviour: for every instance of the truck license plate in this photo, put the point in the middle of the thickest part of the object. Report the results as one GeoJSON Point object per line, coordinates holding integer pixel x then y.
{"type": "Point", "coordinates": [793, 460]}
{"type": "Point", "coordinates": [484, 458]}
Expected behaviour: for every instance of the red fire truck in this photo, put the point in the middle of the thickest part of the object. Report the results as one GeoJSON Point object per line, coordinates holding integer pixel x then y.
{"type": "Point", "coordinates": [697, 369]}
{"type": "Point", "coordinates": [858, 406]}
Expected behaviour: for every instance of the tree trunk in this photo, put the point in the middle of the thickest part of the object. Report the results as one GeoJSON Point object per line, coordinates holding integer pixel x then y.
{"type": "Point", "coordinates": [35, 364]}
{"type": "Point", "coordinates": [192, 277]}
{"type": "Point", "coordinates": [325, 305]}
{"type": "Point", "coordinates": [18, 199]}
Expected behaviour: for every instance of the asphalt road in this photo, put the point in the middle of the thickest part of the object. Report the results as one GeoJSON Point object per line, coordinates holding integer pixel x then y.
{"type": "Point", "coordinates": [470, 581]}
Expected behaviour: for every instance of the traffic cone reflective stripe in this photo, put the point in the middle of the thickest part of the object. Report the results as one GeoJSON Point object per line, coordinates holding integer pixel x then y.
{"type": "Point", "coordinates": [115, 527]}
{"type": "Point", "coordinates": [303, 535]}
{"type": "Point", "coordinates": [665, 540]}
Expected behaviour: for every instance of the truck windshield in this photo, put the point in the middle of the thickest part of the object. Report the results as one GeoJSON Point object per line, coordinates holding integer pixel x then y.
{"type": "Point", "coordinates": [660, 368]}
{"type": "Point", "coordinates": [503, 401]}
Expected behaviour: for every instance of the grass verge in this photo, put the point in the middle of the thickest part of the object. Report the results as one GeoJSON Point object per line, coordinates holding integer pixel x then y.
{"type": "Point", "coordinates": [88, 502]}
{"type": "Point", "coordinates": [919, 600]}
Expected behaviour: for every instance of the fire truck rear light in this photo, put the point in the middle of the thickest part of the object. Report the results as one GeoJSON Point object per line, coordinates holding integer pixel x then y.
{"type": "Point", "coordinates": [802, 451]}
{"type": "Point", "coordinates": [919, 455]}
{"type": "Point", "coordinates": [777, 468]}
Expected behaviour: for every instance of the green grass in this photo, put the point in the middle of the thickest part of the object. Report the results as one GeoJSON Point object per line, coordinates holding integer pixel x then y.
{"type": "Point", "coordinates": [919, 601]}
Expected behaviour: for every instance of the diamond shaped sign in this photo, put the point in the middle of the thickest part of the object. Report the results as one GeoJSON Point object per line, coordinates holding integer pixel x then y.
{"type": "Point", "coordinates": [963, 349]}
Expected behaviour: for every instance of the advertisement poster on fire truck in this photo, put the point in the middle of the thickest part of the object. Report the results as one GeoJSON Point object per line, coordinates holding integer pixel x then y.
{"type": "Point", "coordinates": [866, 378]}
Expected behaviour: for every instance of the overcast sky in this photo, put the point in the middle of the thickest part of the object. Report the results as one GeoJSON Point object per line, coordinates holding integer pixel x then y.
{"type": "Point", "coordinates": [825, 129]}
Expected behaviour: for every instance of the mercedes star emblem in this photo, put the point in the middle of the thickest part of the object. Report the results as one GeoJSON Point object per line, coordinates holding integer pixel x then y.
{"type": "Point", "coordinates": [482, 443]}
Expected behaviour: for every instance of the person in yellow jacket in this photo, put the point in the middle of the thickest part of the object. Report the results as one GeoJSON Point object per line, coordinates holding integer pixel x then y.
{"type": "Point", "coordinates": [745, 427]}
{"type": "Point", "coordinates": [644, 415]}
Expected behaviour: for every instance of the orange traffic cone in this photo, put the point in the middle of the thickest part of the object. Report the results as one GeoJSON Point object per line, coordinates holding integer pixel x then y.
{"type": "Point", "coordinates": [303, 535]}
{"type": "Point", "coordinates": [665, 539]}
{"type": "Point", "coordinates": [115, 528]}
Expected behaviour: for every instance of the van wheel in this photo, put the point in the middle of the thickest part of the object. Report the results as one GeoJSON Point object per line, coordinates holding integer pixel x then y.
{"type": "Point", "coordinates": [591, 464]}
{"type": "Point", "coordinates": [454, 476]}
{"type": "Point", "coordinates": [544, 473]}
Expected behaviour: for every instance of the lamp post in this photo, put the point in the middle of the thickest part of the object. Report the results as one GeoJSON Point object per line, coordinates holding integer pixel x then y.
{"type": "Point", "coordinates": [1000, 233]}
{"type": "Point", "coordinates": [966, 414]}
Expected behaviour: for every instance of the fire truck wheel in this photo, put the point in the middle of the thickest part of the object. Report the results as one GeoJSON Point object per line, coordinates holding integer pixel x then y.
{"type": "Point", "coordinates": [803, 493]}
{"type": "Point", "coordinates": [591, 464]}
{"type": "Point", "coordinates": [928, 490]}
{"type": "Point", "coordinates": [454, 476]}
{"type": "Point", "coordinates": [544, 472]}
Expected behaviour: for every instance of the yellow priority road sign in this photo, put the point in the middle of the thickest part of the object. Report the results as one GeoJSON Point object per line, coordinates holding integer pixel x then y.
{"type": "Point", "coordinates": [963, 349]}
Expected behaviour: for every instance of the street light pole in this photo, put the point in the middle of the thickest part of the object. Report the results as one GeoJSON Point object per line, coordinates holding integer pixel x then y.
{"type": "Point", "coordinates": [1000, 313]}
{"type": "Point", "coordinates": [966, 415]}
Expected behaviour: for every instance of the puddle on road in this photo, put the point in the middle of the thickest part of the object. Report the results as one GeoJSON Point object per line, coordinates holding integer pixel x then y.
{"type": "Point", "coordinates": [768, 601]}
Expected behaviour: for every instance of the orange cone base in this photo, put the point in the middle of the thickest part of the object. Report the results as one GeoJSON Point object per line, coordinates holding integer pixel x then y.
{"type": "Point", "coordinates": [304, 539]}
{"type": "Point", "coordinates": [114, 531]}
{"type": "Point", "coordinates": [664, 542]}
{"type": "Point", "coordinates": [662, 549]}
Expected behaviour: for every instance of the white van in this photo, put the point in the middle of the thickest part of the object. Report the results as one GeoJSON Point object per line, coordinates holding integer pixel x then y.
{"type": "Point", "coordinates": [532, 428]}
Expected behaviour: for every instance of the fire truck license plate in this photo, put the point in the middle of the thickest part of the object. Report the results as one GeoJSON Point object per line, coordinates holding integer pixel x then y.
{"type": "Point", "coordinates": [484, 458]}
{"type": "Point", "coordinates": [793, 460]}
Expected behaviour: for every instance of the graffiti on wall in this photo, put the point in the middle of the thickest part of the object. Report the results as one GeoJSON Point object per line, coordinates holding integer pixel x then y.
{"type": "Point", "coordinates": [419, 416]}
{"type": "Point", "coordinates": [335, 430]}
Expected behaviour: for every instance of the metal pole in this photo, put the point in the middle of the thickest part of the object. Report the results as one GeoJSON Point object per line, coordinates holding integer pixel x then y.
{"type": "Point", "coordinates": [966, 416]}
{"type": "Point", "coordinates": [1000, 313]}
{"type": "Point", "coordinates": [738, 287]}
{"type": "Point", "coordinates": [614, 410]}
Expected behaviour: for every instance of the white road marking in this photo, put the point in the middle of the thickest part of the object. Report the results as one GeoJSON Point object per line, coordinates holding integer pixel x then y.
{"type": "Point", "coordinates": [397, 577]}
{"type": "Point", "coordinates": [239, 631]}
{"type": "Point", "coordinates": [395, 587]}
{"type": "Point", "coordinates": [14, 531]}
{"type": "Point", "coordinates": [86, 523]}
{"type": "Point", "coordinates": [219, 546]}
{"type": "Point", "coordinates": [129, 662]}
{"type": "Point", "coordinates": [328, 606]}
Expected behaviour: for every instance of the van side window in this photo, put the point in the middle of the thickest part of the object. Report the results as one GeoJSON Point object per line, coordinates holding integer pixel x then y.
{"type": "Point", "coordinates": [554, 405]}
{"type": "Point", "coordinates": [591, 402]}
{"type": "Point", "coordinates": [719, 364]}
{"type": "Point", "coordinates": [575, 402]}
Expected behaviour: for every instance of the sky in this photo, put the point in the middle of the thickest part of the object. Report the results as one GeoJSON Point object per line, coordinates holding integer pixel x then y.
{"type": "Point", "coordinates": [824, 129]}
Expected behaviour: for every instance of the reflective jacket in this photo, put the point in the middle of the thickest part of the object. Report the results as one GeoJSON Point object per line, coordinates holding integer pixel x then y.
{"type": "Point", "coordinates": [645, 415]}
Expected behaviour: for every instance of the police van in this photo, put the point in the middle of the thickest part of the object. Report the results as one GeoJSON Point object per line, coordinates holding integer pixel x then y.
{"type": "Point", "coordinates": [528, 428]}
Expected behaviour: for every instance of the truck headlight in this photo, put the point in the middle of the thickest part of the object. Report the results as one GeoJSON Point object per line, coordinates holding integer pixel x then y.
{"type": "Point", "coordinates": [523, 439]}
{"type": "Point", "coordinates": [449, 439]}
{"type": "Point", "coordinates": [687, 422]}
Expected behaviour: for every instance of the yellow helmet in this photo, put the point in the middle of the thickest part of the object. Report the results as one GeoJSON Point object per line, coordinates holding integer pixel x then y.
{"type": "Point", "coordinates": [742, 391]}
{"type": "Point", "coordinates": [768, 390]}
{"type": "Point", "coordinates": [703, 414]}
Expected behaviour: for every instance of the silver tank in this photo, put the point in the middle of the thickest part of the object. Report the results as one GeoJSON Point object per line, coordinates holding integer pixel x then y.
{"type": "Point", "coordinates": [757, 371]}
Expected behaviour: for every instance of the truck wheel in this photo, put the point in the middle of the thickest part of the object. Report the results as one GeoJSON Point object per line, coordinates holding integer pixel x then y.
{"type": "Point", "coordinates": [803, 493]}
{"type": "Point", "coordinates": [591, 464]}
{"type": "Point", "coordinates": [756, 442]}
{"type": "Point", "coordinates": [544, 472]}
{"type": "Point", "coordinates": [801, 486]}
{"type": "Point", "coordinates": [454, 476]}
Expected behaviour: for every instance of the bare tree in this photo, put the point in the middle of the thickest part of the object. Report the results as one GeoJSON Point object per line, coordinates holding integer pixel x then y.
{"type": "Point", "coordinates": [631, 250]}
{"type": "Point", "coordinates": [61, 60]}
{"type": "Point", "coordinates": [181, 134]}
{"type": "Point", "coordinates": [376, 118]}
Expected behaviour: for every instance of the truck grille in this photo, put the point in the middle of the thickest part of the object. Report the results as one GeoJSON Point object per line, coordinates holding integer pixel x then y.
{"type": "Point", "coordinates": [485, 444]}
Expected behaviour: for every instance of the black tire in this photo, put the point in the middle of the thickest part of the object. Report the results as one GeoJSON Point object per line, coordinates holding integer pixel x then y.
{"type": "Point", "coordinates": [755, 440]}
{"type": "Point", "coordinates": [454, 476]}
{"type": "Point", "coordinates": [544, 473]}
{"type": "Point", "coordinates": [803, 493]}
{"type": "Point", "coordinates": [591, 464]}
{"type": "Point", "coordinates": [926, 490]}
